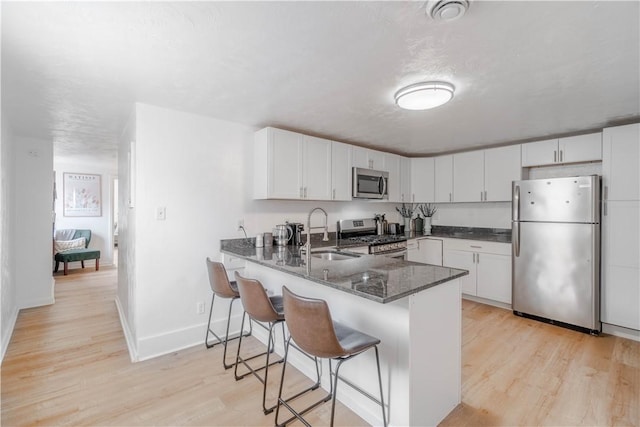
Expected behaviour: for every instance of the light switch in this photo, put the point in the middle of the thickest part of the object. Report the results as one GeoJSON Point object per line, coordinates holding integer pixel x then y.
{"type": "Point", "coordinates": [161, 213]}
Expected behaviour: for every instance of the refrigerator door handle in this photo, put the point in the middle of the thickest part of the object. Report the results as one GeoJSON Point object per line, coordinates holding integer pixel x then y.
{"type": "Point", "coordinates": [516, 203]}
{"type": "Point", "coordinates": [516, 238]}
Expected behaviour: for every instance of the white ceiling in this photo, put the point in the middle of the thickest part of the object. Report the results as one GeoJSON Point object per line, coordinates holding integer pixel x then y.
{"type": "Point", "coordinates": [71, 71]}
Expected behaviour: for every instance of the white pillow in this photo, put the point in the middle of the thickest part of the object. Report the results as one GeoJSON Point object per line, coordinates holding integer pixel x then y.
{"type": "Point", "coordinates": [67, 245]}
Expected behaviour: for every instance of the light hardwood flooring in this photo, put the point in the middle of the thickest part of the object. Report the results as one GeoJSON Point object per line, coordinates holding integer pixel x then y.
{"type": "Point", "coordinates": [67, 364]}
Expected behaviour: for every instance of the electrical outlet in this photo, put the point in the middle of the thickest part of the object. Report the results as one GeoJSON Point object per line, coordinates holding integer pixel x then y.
{"type": "Point", "coordinates": [200, 307]}
{"type": "Point", "coordinates": [240, 224]}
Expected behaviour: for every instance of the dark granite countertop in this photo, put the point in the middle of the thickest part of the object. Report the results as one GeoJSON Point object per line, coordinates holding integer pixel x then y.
{"type": "Point", "coordinates": [377, 278]}
{"type": "Point", "coordinates": [500, 235]}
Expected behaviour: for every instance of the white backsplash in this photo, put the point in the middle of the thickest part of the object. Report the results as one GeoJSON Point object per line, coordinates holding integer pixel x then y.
{"type": "Point", "coordinates": [486, 215]}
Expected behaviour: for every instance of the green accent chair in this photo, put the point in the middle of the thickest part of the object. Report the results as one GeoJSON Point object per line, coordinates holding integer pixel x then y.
{"type": "Point", "coordinates": [75, 255]}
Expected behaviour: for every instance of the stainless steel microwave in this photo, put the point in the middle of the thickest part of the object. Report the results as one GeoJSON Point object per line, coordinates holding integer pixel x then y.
{"type": "Point", "coordinates": [370, 184]}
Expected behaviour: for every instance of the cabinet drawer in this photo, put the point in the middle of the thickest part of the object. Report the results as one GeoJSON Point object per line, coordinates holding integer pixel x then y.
{"type": "Point", "coordinates": [477, 246]}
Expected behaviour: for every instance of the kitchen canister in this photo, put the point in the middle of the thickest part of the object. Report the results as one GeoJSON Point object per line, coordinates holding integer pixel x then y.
{"type": "Point", "coordinates": [259, 240]}
{"type": "Point", "coordinates": [268, 239]}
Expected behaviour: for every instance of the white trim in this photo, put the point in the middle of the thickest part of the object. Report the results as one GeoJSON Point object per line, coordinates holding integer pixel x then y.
{"type": "Point", "coordinates": [620, 331]}
{"type": "Point", "coordinates": [128, 337]}
{"type": "Point", "coordinates": [180, 339]}
{"type": "Point", "coordinates": [487, 301]}
{"type": "Point", "coordinates": [7, 332]}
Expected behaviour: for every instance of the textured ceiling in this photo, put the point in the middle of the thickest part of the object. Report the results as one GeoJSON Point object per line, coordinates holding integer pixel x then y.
{"type": "Point", "coordinates": [71, 71]}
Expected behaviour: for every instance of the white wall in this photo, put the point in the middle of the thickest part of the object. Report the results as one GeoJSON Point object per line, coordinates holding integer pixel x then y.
{"type": "Point", "coordinates": [100, 226]}
{"type": "Point", "coordinates": [125, 296]}
{"type": "Point", "coordinates": [8, 297]}
{"type": "Point", "coordinates": [199, 170]}
{"type": "Point", "coordinates": [33, 221]}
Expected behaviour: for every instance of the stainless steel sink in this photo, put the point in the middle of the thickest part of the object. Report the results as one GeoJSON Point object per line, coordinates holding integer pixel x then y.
{"type": "Point", "coordinates": [329, 255]}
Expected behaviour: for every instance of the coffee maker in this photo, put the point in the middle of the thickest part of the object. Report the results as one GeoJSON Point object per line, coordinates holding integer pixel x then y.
{"type": "Point", "coordinates": [296, 233]}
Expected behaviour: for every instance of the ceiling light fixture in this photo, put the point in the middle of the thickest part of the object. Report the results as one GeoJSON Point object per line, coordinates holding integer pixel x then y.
{"type": "Point", "coordinates": [425, 95]}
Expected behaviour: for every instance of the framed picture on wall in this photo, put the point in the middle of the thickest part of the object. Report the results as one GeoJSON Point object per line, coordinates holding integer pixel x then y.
{"type": "Point", "coordinates": [82, 194]}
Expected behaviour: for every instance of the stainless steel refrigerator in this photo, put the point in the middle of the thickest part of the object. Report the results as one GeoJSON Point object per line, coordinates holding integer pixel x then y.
{"type": "Point", "coordinates": [556, 251]}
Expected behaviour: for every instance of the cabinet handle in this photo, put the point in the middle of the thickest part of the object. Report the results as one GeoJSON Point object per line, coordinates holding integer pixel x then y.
{"type": "Point", "coordinates": [475, 246]}
{"type": "Point", "coordinates": [301, 193]}
{"type": "Point", "coordinates": [604, 200]}
{"type": "Point", "coordinates": [413, 197]}
{"type": "Point", "coordinates": [481, 196]}
{"type": "Point", "coordinates": [334, 194]}
{"type": "Point", "coordinates": [474, 258]}
{"type": "Point", "coordinates": [555, 154]}
{"type": "Point", "coordinates": [450, 198]}
{"type": "Point", "coordinates": [305, 192]}
{"type": "Point", "coordinates": [485, 195]}
{"type": "Point", "coordinates": [561, 156]}
{"type": "Point", "coordinates": [477, 258]}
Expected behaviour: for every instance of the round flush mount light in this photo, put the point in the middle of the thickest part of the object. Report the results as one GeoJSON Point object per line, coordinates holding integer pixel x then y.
{"type": "Point", "coordinates": [446, 10]}
{"type": "Point", "coordinates": [424, 95]}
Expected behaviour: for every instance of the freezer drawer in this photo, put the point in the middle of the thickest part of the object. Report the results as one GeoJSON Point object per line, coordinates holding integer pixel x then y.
{"type": "Point", "coordinates": [574, 199]}
{"type": "Point", "coordinates": [556, 272]}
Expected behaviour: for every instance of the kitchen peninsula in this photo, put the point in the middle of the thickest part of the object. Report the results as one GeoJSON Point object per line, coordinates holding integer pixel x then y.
{"type": "Point", "coordinates": [413, 308]}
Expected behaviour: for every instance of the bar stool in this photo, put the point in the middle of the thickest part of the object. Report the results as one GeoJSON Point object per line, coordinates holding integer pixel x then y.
{"type": "Point", "coordinates": [264, 309]}
{"type": "Point", "coordinates": [221, 287]}
{"type": "Point", "coordinates": [312, 329]}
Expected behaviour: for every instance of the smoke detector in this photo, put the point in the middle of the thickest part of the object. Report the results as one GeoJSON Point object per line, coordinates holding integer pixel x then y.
{"type": "Point", "coordinates": [446, 10]}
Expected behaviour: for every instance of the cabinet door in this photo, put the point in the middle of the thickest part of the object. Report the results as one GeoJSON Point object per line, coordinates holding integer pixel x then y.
{"type": "Point", "coordinates": [422, 177]}
{"type": "Point", "coordinates": [360, 158]}
{"type": "Point", "coordinates": [405, 179]}
{"type": "Point", "coordinates": [620, 168]}
{"type": "Point", "coordinates": [341, 175]}
{"type": "Point", "coordinates": [501, 167]}
{"type": "Point", "coordinates": [392, 165]}
{"type": "Point", "coordinates": [494, 277]}
{"type": "Point", "coordinates": [443, 179]}
{"type": "Point", "coordinates": [316, 168]}
{"type": "Point", "coordinates": [376, 160]}
{"type": "Point", "coordinates": [620, 285]}
{"type": "Point", "coordinates": [413, 252]}
{"type": "Point", "coordinates": [465, 261]}
{"type": "Point", "coordinates": [540, 153]}
{"type": "Point", "coordinates": [284, 164]}
{"type": "Point", "coordinates": [581, 148]}
{"type": "Point", "coordinates": [430, 251]}
{"type": "Point", "coordinates": [468, 176]}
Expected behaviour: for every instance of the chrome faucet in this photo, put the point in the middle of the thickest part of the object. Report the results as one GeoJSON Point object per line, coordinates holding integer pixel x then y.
{"type": "Point", "coordinates": [325, 238]}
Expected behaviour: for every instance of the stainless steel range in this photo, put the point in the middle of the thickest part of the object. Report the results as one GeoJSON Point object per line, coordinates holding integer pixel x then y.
{"type": "Point", "coordinates": [360, 235]}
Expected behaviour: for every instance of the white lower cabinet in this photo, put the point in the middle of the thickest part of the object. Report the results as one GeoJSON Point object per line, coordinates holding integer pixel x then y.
{"type": "Point", "coordinates": [489, 266]}
{"type": "Point", "coordinates": [425, 250]}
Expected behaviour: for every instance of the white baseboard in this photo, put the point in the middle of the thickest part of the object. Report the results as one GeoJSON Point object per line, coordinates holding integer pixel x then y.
{"type": "Point", "coordinates": [180, 339]}
{"type": "Point", "coordinates": [620, 331]}
{"type": "Point", "coordinates": [487, 301]}
{"type": "Point", "coordinates": [128, 336]}
{"type": "Point", "coordinates": [7, 332]}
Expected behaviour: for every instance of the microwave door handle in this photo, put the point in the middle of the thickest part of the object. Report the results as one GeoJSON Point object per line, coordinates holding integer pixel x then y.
{"type": "Point", "coordinates": [384, 187]}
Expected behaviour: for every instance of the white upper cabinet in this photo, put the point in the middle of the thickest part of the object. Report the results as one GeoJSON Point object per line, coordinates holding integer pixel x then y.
{"type": "Point", "coordinates": [368, 159]}
{"type": "Point", "coordinates": [392, 165]}
{"type": "Point", "coordinates": [581, 148]}
{"type": "Point", "coordinates": [422, 180]}
{"type": "Point", "coordinates": [468, 177]}
{"type": "Point", "coordinates": [288, 165]}
{"type": "Point", "coordinates": [501, 168]}
{"type": "Point", "coordinates": [405, 179]}
{"type": "Point", "coordinates": [316, 168]}
{"type": "Point", "coordinates": [574, 149]}
{"type": "Point", "coordinates": [620, 154]}
{"type": "Point", "coordinates": [277, 164]}
{"type": "Point", "coordinates": [486, 175]}
{"type": "Point", "coordinates": [341, 175]}
{"type": "Point", "coordinates": [443, 179]}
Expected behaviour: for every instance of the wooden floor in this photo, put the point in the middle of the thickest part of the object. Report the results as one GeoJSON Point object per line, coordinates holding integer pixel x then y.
{"type": "Point", "coordinates": [67, 364]}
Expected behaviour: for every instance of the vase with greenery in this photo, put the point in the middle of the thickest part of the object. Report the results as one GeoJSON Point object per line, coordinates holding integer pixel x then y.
{"type": "Point", "coordinates": [428, 210]}
{"type": "Point", "coordinates": [406, 212]}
